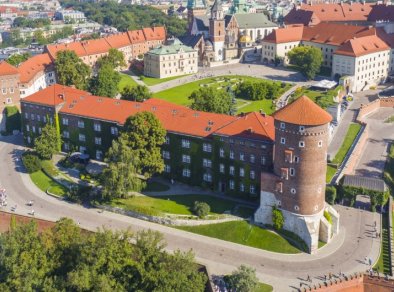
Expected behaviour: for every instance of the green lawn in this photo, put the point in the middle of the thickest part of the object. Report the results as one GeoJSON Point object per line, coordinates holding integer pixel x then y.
{"type": "Point", "coordinates": [264, 288]}
{"type": "Point", "coordinates": [389, 170]}
{"type": "Point", "coordinates": [156, 187]}
{"type": "Point", "coordinates": [180, 94]}
{"type": "Point", "coordinates": [153, 81]}
{"type": "Point", "coordinates": [331, 170]}
{"type": "Point", "coordinates": [44, 183]}
{"type": "Point", "coordinates": [244, 233]}
{"type": "Point", "coordinates": [323, 99]}
{"type": "Point", "coordinates": [347, 142]}
{"type": "Point", "coordinates": [125, 80]}
{"type": "Point", "coordinates": [175, 204]}
{"type": "Point", "coordinates": [383, 263]}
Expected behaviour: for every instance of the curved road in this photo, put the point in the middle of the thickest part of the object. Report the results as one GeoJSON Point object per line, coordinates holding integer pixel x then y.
{"type": "Point", "coordinates": [345, 253]}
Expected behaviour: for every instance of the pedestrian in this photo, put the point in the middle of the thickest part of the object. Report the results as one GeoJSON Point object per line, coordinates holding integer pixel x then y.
{"type": "Point", "coordinates": [32, 212]}
{"type": "Point", "coordinates": [366, 260]}
{"type": "Point", "coordinates": [325, 277]}
{"type": "Point", "coordinates": [375, 223]}
{"type": "Point", "coordinates": [309, 279]}
{"type": "Point", "coordinates": [300, 284]}
{"type": "Point", "coordinates": [370, 261]}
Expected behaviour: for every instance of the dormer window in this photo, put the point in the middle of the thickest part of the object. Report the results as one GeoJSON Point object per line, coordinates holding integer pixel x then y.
{"type": "Point", "coordinates": [282, 125]}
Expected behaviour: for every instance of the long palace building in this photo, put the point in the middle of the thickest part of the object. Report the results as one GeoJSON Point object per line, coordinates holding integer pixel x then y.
{"type": "Point", "coordinates": [230, 154]}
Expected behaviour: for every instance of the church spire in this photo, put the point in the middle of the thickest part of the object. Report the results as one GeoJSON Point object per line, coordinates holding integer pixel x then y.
{"type": "Point", "coordinates": [217, 10]}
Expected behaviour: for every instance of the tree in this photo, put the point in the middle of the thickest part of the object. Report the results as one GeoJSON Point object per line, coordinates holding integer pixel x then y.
{"type": "Point", "coordinates": [243, 279]}
{"type": "Point", "coordinates": [31, 162]}
{"type": "Point", "coordinates": [115, 59]}
{"type": "Point", "coordinates": [106, 82]}
{"type": "Point", "coordinates": [331, 194]}
{"type": "Point", "coordinates": [308, 59]}
{"type": "Point", "coordinates": [16, 59]}
{"type": "Point", "coordinates": [136, 93]}
{"type": "Point", "coordinates": [208, 99]}
{"type": "Point", "coordinates": [201, 209]}
{"type": "Point", "coordinates": [277, 218]}
{"type": "Point", "coordinates": [145, 135]}
{"type": "Point", "coordinates": [121, 175]}
{"type": "Point", "coordinates": [47, 143]}
{"type": "Point", "coordinates": [71, 70]}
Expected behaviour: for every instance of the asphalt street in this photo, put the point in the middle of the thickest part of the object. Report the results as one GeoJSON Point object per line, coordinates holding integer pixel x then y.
{"type": "Point", "coordinates": [345, 253]}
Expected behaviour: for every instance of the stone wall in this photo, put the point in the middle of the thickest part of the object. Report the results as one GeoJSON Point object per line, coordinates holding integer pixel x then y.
{"type": "Point", "coordinates": [357, 152]}
{"type": "Point", "coordinates": [5, 221]}
{"type": "Point", "coordinates": [366, 109]}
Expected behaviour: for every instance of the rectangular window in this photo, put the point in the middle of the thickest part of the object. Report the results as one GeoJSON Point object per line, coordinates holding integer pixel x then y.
{"type": "Point", "coordinates": [186, 158]}
{"type": "Point", "coordinates": [241, 187]}
{"type": "Point", "coordinates": [82, 137]}
{"type": "Point", "coordinates": [292, 171]}
{"type": "Point", "coordinates": [167, 140]}
{"type": "Point", "coordinates": [221, 168]}
{"type": "Point", "coordinates": [66, 146]}
{"type": "Point", "coordinates": [232, 170]}
{"type": "Point", "coordinates": [114, 131]}
{"type": "Point", "coordinates": [301, 144]}
{"type": "Point", "coordinates": [81, 124]}
{"type": "Point", "coordinates": [252, 189]}
{"type": "Point", "coordinates": [27, 128]}
{"type": "Point", "coordinates": [99, 155]}
{"type": "Point", "coordinates": [82, 149]}
{"type": "Point", "coordinates": [26, 116]}
{"type": "Point", "coordinates": [33, 129]}
{"type": "Point", "coordinates": [279, 187]}
{"type": "Point", "coordinates": [65, 121]}
{"type": "Point", "coordinates": [32, 117]}
{"type": "Point", "coordinates": [207, 177]}
{"type": "Point", "coordinates": [44, 119]}
{"type": "Point", "coordinates": [288, 156]}
{"type": "Point", "coordinates": [221, 152]}
{"type": "Point", "coordinates": [282, 140]}
{"type": "Point", "coordinates": [97, 140]}
{"type": "Point", "coordinates": [186, 172]}
{"type": "Point", "coordinates": [166, 154]}
{"type": "Point", "coordinates": [241, 172]}
{"type": "Point", "coordinates": [263, 160]}
{"type": "Point", "coordinates": [66, 134]}
{"type": "Point", "coordinates": [207, 162]}
{"type": "Point", "coordinates": [185, 143]}
{"type": "Point", "coordinates": [97, 127]}
{"type": "Point", "coordinates": [252, 158]}
{"type": "Point", "coordinates": [241, 156]}
{"type": "Point", "coordinates": [285, 173]}
{"type": "Point", "coordinates": [231, 154]}
{"type": "Point", "coordinates": [231, 184]}
{"type": "Point", "coordinates": [282, 125]}
{"type": "Point", "coordinates": [296, 159]}
{"type": "Point", "coordinates": [39, 118]}
{"type": "Point", "coordinates": [252, 174]}
{"type": "Point", "coordinates": [167, 168]}
{"type": "Point", "coordinates": [207, 147]}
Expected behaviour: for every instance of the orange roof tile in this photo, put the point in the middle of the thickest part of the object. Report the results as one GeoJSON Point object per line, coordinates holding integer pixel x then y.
{"type": "Point", "coordinates": [362, 46]}
{"type": "Point", "coordinates": [285, 35]}
{"type": "Point", "coordinates": [303, 111]}
{"type": "Point", "coordinates": [154, 33]}
{"type": "Point", "coordinates": [74, 46]}
{"type": "Point", "coordinates": [252, 125]}
{"type": "Point", "coordinates": [7, 69]}
{"type": "Point", "coordinates": [136, 36]}
{"type": "Point", "coordinates": [33, 66]}
{"type": "Point", "coordinates": [119, 40]}
{"type": "Point", "coordinates": [94, 47]}
{"type": "Point", "coordinates": [175, 118]}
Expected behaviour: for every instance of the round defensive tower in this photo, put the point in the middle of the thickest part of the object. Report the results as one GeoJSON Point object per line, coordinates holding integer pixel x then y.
{"type": "Point", "coordinates": [297, 185]}
{"type": "Point", "coordinates": [301, 137]}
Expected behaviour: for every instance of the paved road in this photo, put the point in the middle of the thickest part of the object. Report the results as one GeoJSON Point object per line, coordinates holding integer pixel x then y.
{"type": "Point", "coordinates": [344, 254]}
{"type": "Point", "coordinates": [374, 156]}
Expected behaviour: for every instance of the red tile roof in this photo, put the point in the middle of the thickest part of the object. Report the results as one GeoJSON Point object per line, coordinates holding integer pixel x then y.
{"type": "Point", "coordinates": [32, 66]}
{"type": "Point", "coordinates": [136, 36]}
{"type": "Point", "coordinates": [7, 69]}
{"type": "Point", "coordinates": [362, 46]}
{"type": "Point", "coordinates": [94, 47]}
{"type": "Point", "coordinates": [175, 118]}
{"type": "Point", "coordinates": [329, 12]}
{"type": "Point", "coordinates": [118, 40]}
{"type": "Point", "coordinates": [303, 111]}
{"type": "Point", "coordinates": [74, 46]}
{"type": "Point", "coordinates": [154, 33]}
{"type": "Point", "coordinates": [285, 35]}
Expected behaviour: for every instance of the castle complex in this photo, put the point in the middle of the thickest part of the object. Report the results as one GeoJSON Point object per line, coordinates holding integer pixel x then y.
{"type": "Point", "coordinates": [283, 155]}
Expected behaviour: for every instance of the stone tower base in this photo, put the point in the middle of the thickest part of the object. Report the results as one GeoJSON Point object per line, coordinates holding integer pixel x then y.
{"type": "Point", "coordinates": [309, 228]}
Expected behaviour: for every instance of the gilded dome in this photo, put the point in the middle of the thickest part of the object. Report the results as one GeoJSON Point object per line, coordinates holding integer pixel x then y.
{"type": "Point", "coordinates": [245, 39]}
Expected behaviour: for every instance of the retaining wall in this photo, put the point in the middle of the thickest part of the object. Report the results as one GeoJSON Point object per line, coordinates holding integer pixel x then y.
{"type": "Point", "coordinates": [366, 109]}
{"type": "Point", "coordinates": [357, 152]}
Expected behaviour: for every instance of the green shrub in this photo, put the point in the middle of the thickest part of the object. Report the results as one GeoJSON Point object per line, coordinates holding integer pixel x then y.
{"type": "Point", "coordinates": [331, 194]}
{"type": "Point", "coordinates": [201, 209]}
{"type": "Point", "coordinates": [328, 217]}
{"type": "Point", "coordinates": [31, 162]}
{"type": "Point", "coordinates": [12, 119]}
{"type": "Point", "coordinates": [79, 194]}
{"type": "Point", "coordinates": [277, 219]}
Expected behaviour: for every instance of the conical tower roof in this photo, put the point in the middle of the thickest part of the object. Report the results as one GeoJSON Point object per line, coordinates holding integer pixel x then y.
{"type": "Point", "coordinates": [303, 111]}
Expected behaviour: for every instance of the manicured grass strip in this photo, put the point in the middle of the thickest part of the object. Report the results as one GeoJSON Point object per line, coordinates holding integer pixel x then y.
{"type": "Point", "coordinates": [173, 204]}
{"type": "Point", "coordinates": [156, 187]}
{"type": "Point", "coordinates": [125, 80]}
{"type": "Point", "coordinates": [153, 81]}
{"type": "Point", "coordinates": [44, 182]}
{"type": "Point", "coordinates": [383, 264]}
{"type": "Point", "coordinates": [179, 94]}
{"type": "Point", "coordinates": [347, 143]}
{"type": "Point", "coordinates": [49, 168]}
{"type": "Point", "coordinates": [389, 120]}
{"type": "Point", "coordinates": [331, 170]}
{"type": "Point", "coordinates": [389, 170]}
{"type": "Point", "coordinates": [244, 233]}
{"type": "Point", "coordinates": [264, 288]}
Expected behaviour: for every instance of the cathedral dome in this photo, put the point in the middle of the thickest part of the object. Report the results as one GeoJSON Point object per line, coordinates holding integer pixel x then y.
{"type": "Point", "coordinates": [245, 39]}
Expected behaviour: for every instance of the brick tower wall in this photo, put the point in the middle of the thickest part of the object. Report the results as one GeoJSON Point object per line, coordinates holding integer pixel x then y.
{"type": "Point", "coordinates": [302, 170]}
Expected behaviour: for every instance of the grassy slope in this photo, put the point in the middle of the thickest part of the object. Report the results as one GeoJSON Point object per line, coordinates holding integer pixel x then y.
{"type": "Point", "coordinates": [244, 233]}
{"type": "Point", "coordinates": [347, 142]}
{"type": "Point", "coordinates": [175, 204]}
{"type": "Point", "coordinates": [44, 182]}
{"type": "Point", "coordinates": [383, 264]}
{"type": "Point", "coordinates": [180, 94]}
{"type": "Point", "coordinates": [125, 80]}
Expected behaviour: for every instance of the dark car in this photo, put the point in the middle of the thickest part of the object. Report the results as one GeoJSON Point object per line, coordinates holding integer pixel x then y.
{"type": "Point", "coordinates": [78, 157]}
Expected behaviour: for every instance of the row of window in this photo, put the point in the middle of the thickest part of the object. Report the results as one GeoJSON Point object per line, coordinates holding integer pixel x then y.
{"type": "Point", "coordinates": [4, 90]}
{"type": "Point", "coordinates": [301, 144]}
{"type": "Point", "coordinates": [283, 126]}
{"type": "Point", "coordinates": [37, 117]}
{"type": "Point", "coordinates": [96, 126]}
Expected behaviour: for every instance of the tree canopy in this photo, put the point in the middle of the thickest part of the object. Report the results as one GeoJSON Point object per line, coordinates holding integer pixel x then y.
{"type": "Point", "coordinates": [48, 142]}
{"type": "Point", "coordinates": [136, 93]}
{"type": "Point", "coordinates": [115, 59]}
{"type": "Point", "coordinates": [308, 59]}
{"type": "Point", "coordinates": [258, 90]}
{"type": "Point", "coordinates": [208, 99]}
{"type": "Point", "coordinates": [105, 83]}
{"type": "Point", "coordinates": [243, 279]}
{"type": "Point", "coordinates": [16, 59]}
{"type": "Point", "coordinates": [71, 70]}
{"type": "Point", "coordinates": [128, 17]}
{"type": "Point", "coordinates": [65, 259]}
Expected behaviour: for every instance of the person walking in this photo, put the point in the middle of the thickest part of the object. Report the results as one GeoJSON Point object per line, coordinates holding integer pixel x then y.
{"type": "Point", "coordinates": [309, 279]}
